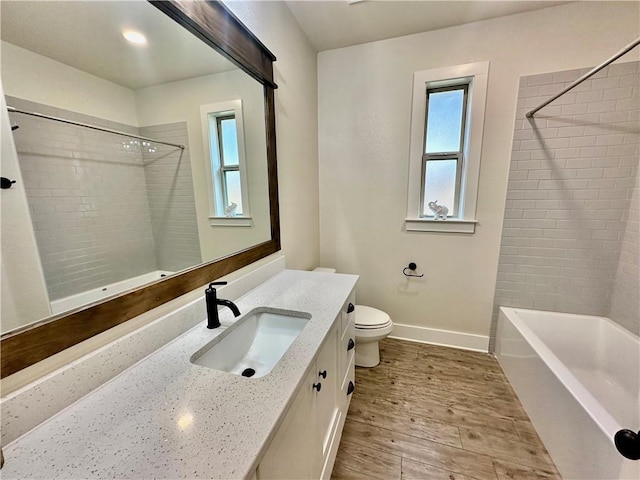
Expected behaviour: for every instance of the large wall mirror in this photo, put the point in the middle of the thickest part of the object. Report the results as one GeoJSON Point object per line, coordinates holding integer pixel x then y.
{"type": "Point", "coordinates": [145, 141]}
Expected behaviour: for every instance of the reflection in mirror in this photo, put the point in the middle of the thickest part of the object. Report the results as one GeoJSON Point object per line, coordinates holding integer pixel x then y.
{"type": "Point", "coordinates": [109, 212]}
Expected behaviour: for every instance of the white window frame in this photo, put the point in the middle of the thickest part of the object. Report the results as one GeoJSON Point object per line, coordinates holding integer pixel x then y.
{"type": "Point", "coordinates": [476, 76]}
{"type": "Point", "coordinates": [213, 163]}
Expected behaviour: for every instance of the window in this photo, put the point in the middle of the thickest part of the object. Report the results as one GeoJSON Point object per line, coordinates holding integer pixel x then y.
{"type": "Point", "coordinates": [446, 138]}
{"type": "Point", "coordinates": [223, 135]}
{"type": "Point", "coordinates": [443, 156]}
{"type": "Point", "coordinates": [229, 165]}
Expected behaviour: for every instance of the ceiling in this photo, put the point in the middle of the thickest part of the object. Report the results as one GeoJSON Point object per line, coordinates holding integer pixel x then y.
{"type": "Point", "coordinates": [87, 35]}
{"type": "Point", "coordinates": [340, 23]}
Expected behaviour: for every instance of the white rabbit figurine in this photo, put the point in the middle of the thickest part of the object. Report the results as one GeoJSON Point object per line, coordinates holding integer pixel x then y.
{"type": "Point", "coordinates": [439, 211]}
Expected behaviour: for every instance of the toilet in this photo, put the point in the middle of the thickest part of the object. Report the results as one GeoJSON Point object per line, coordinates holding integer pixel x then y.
{"type": "Point", "coordinates": [372, 325]}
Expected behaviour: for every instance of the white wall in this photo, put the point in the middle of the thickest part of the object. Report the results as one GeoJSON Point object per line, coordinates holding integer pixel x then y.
{"type": "Point", "coordinates": [296, 126]}
{"type": "Point", "coordinates": [24, 293]}
{"type": "Point", "coordinates": [34, 77]}
{"type": "Point", "coordinates": [181, 101]}
{"type": "Point", "coordinates": [364, 114]}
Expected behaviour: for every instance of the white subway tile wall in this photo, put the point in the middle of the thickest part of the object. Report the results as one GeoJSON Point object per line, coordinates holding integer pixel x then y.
{"type": "Point", "coordinates": [570, 232]}
{"type": "Point", "coordinates": [89, 200]}
{"type": "Point", "coordinates": [625, 301]}
{"type": "Point", "coordinates": [171, 198]}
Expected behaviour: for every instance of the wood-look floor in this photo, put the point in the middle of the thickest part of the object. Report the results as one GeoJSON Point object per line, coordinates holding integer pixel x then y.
{"type": "Point", "coordinates": [430, 412]}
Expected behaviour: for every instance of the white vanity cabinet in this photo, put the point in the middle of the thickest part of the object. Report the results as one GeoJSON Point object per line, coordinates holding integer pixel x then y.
{"type": "Point", "coordinates": [306, 443]}
{"type": "Point", "coordinates": [294, 452]}
{"type": "Point", "coordinates": [299, 424]}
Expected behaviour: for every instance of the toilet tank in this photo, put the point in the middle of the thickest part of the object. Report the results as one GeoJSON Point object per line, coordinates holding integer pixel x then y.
{"type": "Point", "coordinates": [323, 269]}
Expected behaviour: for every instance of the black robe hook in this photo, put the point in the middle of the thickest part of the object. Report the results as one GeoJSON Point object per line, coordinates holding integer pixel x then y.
{"type": "Point", "coordinates": [6, 183]}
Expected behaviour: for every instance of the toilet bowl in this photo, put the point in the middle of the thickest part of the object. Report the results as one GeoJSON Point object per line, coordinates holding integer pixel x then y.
{"type": "Point", "coordinates": [372, 325]}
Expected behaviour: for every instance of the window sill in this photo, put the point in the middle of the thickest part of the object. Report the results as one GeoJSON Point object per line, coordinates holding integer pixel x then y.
{"type": "Point", "coordinates": [230, 222]}
{"type": "Point", "coordinates": [445, 226]}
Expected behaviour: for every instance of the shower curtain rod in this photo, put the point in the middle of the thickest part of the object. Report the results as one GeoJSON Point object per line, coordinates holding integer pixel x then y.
{"type": "Point", "coordinates": [93, 127]}
{"type": "Point", "coordinates": [626, 49]}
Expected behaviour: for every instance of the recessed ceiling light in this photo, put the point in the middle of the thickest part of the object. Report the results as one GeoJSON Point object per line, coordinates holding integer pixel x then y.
{"type": "Point", "coordinates": [134, 37]}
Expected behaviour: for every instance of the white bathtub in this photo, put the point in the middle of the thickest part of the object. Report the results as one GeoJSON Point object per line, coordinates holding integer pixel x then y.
{"type": "Point", "coordinates": [578, 378]}
{"type": "Point", "coordinates": [100, 293]}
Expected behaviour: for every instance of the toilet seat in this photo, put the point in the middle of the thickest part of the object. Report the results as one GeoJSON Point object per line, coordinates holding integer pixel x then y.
{"type": "Point", "coordinates": [373, 327]}
{"type": "Point", "coordinates": [369, 318]}
{"type": "Point", "coordinates": [370, 334]}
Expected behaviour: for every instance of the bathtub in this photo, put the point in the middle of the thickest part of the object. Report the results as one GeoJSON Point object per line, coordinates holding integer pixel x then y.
{"type": "Point", "coordinates": [96, 294]}
{"type": "Point", "coordinates": [578, 378]}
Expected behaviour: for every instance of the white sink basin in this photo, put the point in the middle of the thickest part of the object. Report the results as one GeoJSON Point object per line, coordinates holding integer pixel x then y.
{"type": "Point", "coordinates": [253, 345]}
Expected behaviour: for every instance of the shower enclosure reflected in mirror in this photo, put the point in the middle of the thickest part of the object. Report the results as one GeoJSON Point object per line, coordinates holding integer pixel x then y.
{"type": "Point", "coordinates": [188, 179]}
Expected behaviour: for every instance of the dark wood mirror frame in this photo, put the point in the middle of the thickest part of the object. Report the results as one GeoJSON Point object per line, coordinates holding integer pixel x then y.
{"type": "Point", "coordinates": [214, 24]}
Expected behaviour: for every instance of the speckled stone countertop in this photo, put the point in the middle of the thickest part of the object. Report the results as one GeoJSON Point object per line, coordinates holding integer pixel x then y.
{"type": "Point", "coordinates": [167, 418]}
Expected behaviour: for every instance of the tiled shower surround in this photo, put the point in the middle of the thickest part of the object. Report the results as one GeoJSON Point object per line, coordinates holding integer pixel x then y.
{"type": "Point", "coordinates": [625, 301]}
{"type": "Point", "coordinates": [570, 233]}
{"type": "Point", "coordinates": [97, 200]}
{"type": "Point", "coordinates": [171, 198]}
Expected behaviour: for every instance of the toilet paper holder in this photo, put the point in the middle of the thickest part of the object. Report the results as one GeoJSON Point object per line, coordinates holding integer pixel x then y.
{"type": "Point", "coordinates": [412, 267]}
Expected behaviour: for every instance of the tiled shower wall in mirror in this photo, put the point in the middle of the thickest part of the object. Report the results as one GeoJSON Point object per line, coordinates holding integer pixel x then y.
{"type": "Point", "coordinates": [171, 199]}
{"type": "Point", "coordinates": [104, 207]}
{"type": "Point", "coordinates": [570, 240]}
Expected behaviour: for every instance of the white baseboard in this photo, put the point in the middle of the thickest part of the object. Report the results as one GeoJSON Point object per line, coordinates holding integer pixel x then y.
{"type": "Point", "coordinates": [445, 338]}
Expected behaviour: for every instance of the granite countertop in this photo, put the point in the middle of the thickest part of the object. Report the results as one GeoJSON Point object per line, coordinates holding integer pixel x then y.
{"type": "Point", "coordinates": [167, 418]}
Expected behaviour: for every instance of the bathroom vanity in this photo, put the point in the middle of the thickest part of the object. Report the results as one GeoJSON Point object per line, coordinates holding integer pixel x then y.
{"type": "Point", "coordinates": [307, 441]}
{"type": "Point", "coordinates": [166, 417]}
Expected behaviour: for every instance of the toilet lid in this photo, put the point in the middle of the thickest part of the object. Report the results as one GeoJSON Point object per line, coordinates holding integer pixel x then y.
{"type": "Point", "coordinates": [370, 317]}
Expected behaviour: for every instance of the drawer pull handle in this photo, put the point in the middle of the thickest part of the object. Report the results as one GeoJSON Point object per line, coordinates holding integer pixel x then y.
{"type": "Point", "coordinates": [350, 308]}
{"type": "Point", "coordinates": [317, 386]}
{"type": "Point", "coordinates": [351, 344]}
{"type": "Point", "coordinates": [323, 374]}
{"type": "Point", "coordinates": [350, 388]}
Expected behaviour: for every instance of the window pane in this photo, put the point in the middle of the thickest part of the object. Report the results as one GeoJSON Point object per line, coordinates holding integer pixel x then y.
{"type": "Point", "coordinates": [233, 189]}
{"type": "Point", "coordinates": [229, 142]}
{"type": "Point", "coordinates": [444, 121]}
{"type": "Point", "coordinates": [440, 184]}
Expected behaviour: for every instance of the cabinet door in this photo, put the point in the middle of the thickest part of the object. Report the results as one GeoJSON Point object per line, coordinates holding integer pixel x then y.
{"type": "Point", "coordinates": [294, 453]}
{"type": "Point", "coordinates": [331, 380]}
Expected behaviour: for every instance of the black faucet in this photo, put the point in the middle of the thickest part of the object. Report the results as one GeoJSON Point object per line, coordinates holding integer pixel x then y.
{"type": "Point", "coordinates": [213, 321]}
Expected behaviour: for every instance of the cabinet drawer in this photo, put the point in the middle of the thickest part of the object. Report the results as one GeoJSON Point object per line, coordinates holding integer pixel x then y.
{"type": "Point", "coordinates": [348, 311]}
{"type": "Point", "coordinates": [349, 383]}
{"type": "Point", "coordinates": [347, 346]}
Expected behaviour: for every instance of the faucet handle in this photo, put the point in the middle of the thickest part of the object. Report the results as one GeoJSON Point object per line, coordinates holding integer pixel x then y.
{"type": "Point", "coordinates": [217, 283]}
